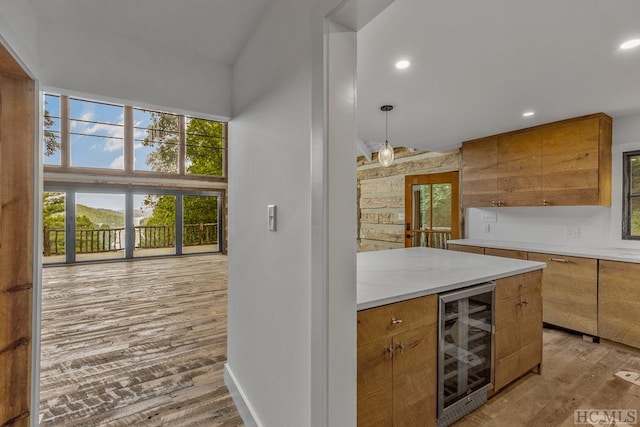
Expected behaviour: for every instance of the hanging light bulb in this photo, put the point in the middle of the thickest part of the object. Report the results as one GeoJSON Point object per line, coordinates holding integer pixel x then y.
{"type": "Point", "coordinates": [385, 155]}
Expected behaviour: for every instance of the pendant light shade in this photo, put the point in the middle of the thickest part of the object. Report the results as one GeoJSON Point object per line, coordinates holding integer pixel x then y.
{"type": "Point", "coordinates": [386, 155]}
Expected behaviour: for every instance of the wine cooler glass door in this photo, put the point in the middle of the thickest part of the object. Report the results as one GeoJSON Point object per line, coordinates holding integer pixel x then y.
{"type": "Point", "coordinates": [466, 325]}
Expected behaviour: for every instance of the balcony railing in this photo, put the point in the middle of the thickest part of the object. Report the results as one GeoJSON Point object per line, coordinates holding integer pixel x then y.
{"type": "Point", "coordinates": [113, 239]}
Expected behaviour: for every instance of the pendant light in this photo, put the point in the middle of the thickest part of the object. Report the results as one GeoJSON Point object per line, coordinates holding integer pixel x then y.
{"type": "Point", "coordinates": [385, 155]}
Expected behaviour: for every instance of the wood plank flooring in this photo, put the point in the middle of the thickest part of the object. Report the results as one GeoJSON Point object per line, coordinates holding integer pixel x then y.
{"type": "Point", "coordinates": [136, 343]}
{"type": "Point", "coordinates": [575, 375]}
{"type": "Point", "coordinates": [143, 343]}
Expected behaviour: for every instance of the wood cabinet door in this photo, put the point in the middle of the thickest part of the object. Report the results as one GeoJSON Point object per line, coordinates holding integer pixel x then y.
{"type": "Point", "coordinates": [375, 384]}
{"type": "Point", "coordinates": [520, 168]}
{"type": "Point", "coordinates": [415, 378]}
{"type": "Point", "coordinates": [570, 292]}
{"type": "Point", "coordinates": [570, 162]}
{"type": "Point", "coordinates": [530, 330]}
{"type": "Point", "coordinates": [619, 302]}
{"type": "Point", "coordinates": [505, 253]}
{"type": "Point", "coordinates": [466, 248]}
{"type": "Point", "coordinates": [479, 173]}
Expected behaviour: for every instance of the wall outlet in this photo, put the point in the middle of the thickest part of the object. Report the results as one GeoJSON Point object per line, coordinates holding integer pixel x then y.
{"type": "Point", "coordinates": [572, 231]}
{"type": "Point", "coordinates": [486, 228]}
{"type": "Point", "coordinates": [489, 217]}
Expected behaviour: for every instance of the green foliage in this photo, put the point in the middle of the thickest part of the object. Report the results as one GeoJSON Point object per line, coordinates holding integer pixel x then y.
{"type": "Point", "coordinates": [51, 143]}
{"type": "Point", "coordinates": [439, 207]}
{"type": "Point", "coordinates": [204, 156]}
{"type": "Point", "coordinates": [99, 217]}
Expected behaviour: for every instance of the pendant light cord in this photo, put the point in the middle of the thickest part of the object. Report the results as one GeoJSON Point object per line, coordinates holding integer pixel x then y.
{"type": "Point", "coordinates": [386, 128]}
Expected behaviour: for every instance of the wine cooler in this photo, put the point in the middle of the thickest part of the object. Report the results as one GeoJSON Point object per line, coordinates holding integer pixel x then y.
{"type": "Point", "coordinates": [465, 351]}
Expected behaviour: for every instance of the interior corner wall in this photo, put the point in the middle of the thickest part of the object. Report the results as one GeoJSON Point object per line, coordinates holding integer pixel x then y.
{"type": "Point", "coordinates": [19, 29]}
{"type": "Point", "coordinates": [269, 271]}
{"type": "Point", "coordinates": [119, 68]}
{"type": "Point", "coordinates": [600, 226]}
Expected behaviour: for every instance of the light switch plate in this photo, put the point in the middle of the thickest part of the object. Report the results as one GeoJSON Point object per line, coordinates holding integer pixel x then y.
{"type": "Point", "coordinates": [272, 215]}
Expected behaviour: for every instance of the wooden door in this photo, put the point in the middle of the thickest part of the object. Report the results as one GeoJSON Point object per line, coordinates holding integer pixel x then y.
{"type": "Point", "coordinates": [375, 383]}
{"type": "Point", "coordinates": [570, 162]}
{"type": "Point", "coordinates": [415, 378]}
{"type": "Point", "coordinates": [17, 119]}
{"type": "Point", "coordinates": [431, 209]}
{"type": "Point", "coordinates": [520, 168]}
{"type": "Point", "coordinates": [480, 173]}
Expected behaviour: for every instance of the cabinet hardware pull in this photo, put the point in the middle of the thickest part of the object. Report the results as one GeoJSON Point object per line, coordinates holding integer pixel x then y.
{"type": "Point", "coordinates": [523, 285]}
{"type": "Point", "coordinates": [494, 203]}
{"type": "Point", "coordinates": [395, 321]}
{"type": "Point", "coordinates": [389, 351]}
{"type": "Point", "coordinates": [525, 303]}
{"type": "Point", "coordinates": [546, 202]}
{"type": "Point", "coordinates": [558, 260]}
{"type": "Point", "coordinates": [500, 203]}
{"type": "Point", "coordinates": [401, 347]}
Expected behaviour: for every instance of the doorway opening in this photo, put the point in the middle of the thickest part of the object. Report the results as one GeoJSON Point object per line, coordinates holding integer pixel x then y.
{"type": "Point", "coordinates": [431, 210]}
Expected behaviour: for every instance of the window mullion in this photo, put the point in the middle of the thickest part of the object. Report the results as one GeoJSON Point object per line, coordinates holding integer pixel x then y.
{"type": "Point", "coordinates": [65, 152]}
{"type": "Point", "coordinates": [128, 139]}
{"type": "Point", "coordinates": [182, 141]}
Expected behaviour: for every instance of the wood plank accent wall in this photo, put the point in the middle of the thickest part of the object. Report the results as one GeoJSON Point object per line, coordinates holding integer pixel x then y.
{"type": "Point", "coordinates": [381, 194]}
{"type": "Point", "coordinates": [17, 118]}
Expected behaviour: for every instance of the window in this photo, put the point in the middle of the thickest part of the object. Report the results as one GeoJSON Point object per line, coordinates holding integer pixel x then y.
{"type": "Point", "coordinates": [631, 196]}
{"type": "Point", "coordinates": [80, 134]}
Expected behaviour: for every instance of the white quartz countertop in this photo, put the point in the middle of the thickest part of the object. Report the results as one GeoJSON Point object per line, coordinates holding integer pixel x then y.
{"type": "Point", "coordinates": [611, 254]}
{"type": "Point", "coordinates": [385, 277]}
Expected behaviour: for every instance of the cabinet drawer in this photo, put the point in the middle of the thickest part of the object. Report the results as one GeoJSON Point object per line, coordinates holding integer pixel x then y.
{"type": "Point", "coordinates": [570, 291]}
{"type": "Point", "coordinates": [392, 319]}
{"type": "Point", "coordinates": [513, 286]}
{"type": "Point", "coordinates": [506, 253]}
{"type": "Point", "coordinates": [466, 248]}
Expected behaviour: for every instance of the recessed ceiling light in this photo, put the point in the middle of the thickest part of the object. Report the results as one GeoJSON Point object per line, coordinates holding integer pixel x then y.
{"type": "Point", "coordinates": [630, 44]}
{"type": "Point", "coordinates": [528, 114]}
{"type": "Point", "coordinates": [401, 65]}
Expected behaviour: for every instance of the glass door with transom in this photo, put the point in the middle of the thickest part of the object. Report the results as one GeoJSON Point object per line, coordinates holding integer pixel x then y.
{"type": "Point", "coordinates": [431, 209]}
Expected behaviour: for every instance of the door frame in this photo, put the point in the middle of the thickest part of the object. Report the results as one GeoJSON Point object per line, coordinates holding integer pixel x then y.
{"type": "Point", "coordinates": [426, 179]}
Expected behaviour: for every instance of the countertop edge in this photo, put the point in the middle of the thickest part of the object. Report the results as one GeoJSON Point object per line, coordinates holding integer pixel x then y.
{"type": "Point", "coordinates": [449, 287]}
{"type": "Point", "coordinates": [594, 253]}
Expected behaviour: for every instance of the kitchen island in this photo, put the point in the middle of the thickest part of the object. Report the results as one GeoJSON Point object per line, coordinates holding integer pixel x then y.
{"type": "Point", "coordinates": [398, 324]}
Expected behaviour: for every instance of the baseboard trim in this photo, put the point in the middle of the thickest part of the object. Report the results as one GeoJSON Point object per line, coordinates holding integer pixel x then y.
{"type": "Point", "coordinates": [245, 409]}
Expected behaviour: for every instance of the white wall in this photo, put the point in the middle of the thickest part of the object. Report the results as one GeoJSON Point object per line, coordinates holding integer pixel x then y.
{"type": "Point", "coordinates": [19, 30]}
{"type": "Point", "coordinates": [269, 272]}
{"type": "Point", "coordinates": [291, 340]}
{"type": "Point", "coordinates": [599, 226]}
{"type": "Point", "coordinates": [114, 67]}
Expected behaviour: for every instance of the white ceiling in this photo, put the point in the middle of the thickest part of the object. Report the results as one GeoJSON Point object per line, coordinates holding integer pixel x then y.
{"type": "Point", "coordinates": [214, 29]}
{"type": "Point", "coordinates": [476, 66]}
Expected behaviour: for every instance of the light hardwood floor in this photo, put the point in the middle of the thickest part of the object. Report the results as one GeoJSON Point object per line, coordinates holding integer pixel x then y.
{"type": "Point", "coordinates": [575, 375]}
{"type": "Point", "coordinates": [143, 343]}
{"type": "Point", "coordinates": [136, 343]}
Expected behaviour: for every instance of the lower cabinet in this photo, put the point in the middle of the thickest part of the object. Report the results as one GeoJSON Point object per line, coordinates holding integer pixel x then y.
{"type": "Point", "coordinates": [518, 327]}
{"type": "Point", "coordinates": [506, 253]}
{"type": "Point", "coordinates": [397, 356]}
{"type": "Point", "coordinates": [466, 248]}
{"type": "Point", "coordinates": [570, 292]}
{"type": "Point", "coordinates": [619, 302]}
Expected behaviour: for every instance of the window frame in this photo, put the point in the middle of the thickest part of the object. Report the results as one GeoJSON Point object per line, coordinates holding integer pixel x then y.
{"type": "Point", "coordinates": [129, 142]}
{"type": "Point", "coordinates": [626, 194]}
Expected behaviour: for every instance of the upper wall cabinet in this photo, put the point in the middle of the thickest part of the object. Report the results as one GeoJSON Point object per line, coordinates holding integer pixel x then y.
{"type": "Point", "coordinates": [563, 163]}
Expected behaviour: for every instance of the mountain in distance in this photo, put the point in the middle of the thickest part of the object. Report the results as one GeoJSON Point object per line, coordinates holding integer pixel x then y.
{"type": "Point", "coordinates": [101, 216]}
